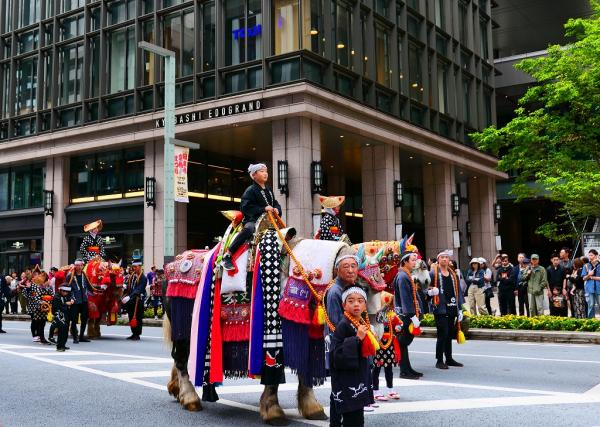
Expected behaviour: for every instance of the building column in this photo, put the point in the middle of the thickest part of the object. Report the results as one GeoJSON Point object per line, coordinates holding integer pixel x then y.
{"type": "Point", "coordinates": [297, 140]}
{"type": "Point", "coordinates": [482, 196]}
{"type": "Point", "coordinates": [153, 216]}
{"type": "Point", "coordinates": [438, 185]}
{"type": "Point", "coordinates": [56, 249]}
{"type": "Point", "coordinates": [380, 167]}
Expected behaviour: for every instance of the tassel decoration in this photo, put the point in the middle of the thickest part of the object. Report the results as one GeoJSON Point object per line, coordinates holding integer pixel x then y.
{"type": "Point", "coordinates": [369, 345]}
{"type": "Point", "coordinates": [319, 315]}
{"type": "Point", "coordinates": [414, 331]}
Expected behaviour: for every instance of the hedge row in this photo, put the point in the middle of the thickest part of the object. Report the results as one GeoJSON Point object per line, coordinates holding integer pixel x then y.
{"type": "Point", "coordinates": [537, 323]}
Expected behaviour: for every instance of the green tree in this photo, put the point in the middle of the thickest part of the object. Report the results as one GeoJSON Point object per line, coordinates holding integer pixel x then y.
{"type": "Point", "coordinates": [554, 137]}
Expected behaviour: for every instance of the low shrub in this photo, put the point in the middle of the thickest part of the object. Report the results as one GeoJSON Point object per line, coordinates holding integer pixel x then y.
{"type": "Point", "coordinates": [537, 323]}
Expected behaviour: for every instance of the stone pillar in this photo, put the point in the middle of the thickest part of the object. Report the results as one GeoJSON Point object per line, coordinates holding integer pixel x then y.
{"type": "Point", "coordinates": [56, 249]}
{"type": "Point", "coordinates": [153, 216]}
{"type": "Point", "coordinates": [378, 171]}
{"type": "Point", "coordinates": [438, 185]}
{"type": "Point", "coordinates": [482, 196]}
{"type": "Point", "coordinates": [298, 141]}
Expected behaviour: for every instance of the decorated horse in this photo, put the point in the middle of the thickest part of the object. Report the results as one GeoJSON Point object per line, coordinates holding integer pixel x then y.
{"type": "Point", "coordinates": [264, 315]}
{"type": "Point", "coordinates": [106, 281]}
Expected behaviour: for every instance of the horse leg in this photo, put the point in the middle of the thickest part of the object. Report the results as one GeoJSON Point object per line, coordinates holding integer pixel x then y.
{"type": "Point", "coordinates": [187, 395]}
{"type": "Point", "coordinates": [173, 384]}
{"type": "Point", "coordinates": [270, 411]}
{"type": "Point", "coordinates": [308, 405]}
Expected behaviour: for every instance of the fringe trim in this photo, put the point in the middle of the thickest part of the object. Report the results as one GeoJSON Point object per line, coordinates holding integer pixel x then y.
{"type": "Point", "coordinates": [293, 312]}
{"type": "Point", "coordinates": [235, 331]}
{"type": "Point", "coordinates": [182, 290]}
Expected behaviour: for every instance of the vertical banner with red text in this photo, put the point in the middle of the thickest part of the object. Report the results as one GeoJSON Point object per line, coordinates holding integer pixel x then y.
{"type": "Point", "coordinates": [180, 179]}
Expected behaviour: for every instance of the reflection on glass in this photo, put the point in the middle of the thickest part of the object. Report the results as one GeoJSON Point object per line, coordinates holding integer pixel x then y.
{"type": "Point", "coordinates": [108, 173]}
{"type": "Point", "coordinates": [20, 188]}
{"type": "Point", "coordinates": [28, 12]}
{"type": "Point", "coordinates": [285, 24]}
{"type": "Point", "coordinates": [313, 37]}
{"type": "Point", "coordinates": [3, 190]}
{"type": "Point", "coordinates": [148, 72]}
{"type": "Point", "coordinates": [121, 59]}
{"type": "Point", "coordinates": [243, 31]}
{"type": "Point", "coordinates": [26, 78]}
{"type": "Point", "coordinates": [134, 170]}
{"type": "Point", "coordinates": [415, 70]}
{"type": "Point", "coordinates": [382, 56]}
{"type": "Point", "coordinates": [442, 85]}
{"type": "Point", "coordinates": [343, 41]}
{"type": "Point", "coordinates": [208, 37]}
{"type": "Point", "coordinates": [70, 73]}
{"type": "Point", "coordinates": [82, 170]}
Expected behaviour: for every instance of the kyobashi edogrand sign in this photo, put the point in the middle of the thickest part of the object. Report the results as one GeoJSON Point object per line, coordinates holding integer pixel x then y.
{"type": "Point", "coordinates": [213, 113]}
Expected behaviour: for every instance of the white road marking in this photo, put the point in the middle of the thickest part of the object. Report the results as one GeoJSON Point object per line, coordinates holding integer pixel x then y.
{"type": "Point", "coordinates": [488, 402]}
{"type": "Point", "coordinates": [541, 397]}
{"type": "Point", "coordinates": [594, 391]}
{"type": "Point", "coordinates": [104, 335]}
{"type": "Point", "coordinates": [495, 356]}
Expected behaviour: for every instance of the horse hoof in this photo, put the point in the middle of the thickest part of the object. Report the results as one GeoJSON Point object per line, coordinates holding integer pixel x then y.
{"type": "Point", "coordinates": [278, 421]}
{"type": "Point", "coordinates": [317, 416]}
{"type": "Point", "coordinates": [193, 406]}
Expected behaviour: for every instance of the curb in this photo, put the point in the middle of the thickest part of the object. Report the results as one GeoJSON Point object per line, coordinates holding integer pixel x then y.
{"type": "Point", "coordinates": [567, 337]}
{"type": "Point", "coordinates": [122, 321]}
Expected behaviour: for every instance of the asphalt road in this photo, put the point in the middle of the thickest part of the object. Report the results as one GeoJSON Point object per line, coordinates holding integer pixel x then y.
{"type": "Point", "coordinates": [114, 382]}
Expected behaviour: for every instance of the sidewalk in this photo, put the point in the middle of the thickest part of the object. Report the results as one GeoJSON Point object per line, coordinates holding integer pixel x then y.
{"type": "Point", "coordinates": [473, 334]}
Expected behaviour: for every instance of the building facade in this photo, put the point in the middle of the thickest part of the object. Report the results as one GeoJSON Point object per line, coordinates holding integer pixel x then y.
{"type": "Point", "coordinates": [378, 95]}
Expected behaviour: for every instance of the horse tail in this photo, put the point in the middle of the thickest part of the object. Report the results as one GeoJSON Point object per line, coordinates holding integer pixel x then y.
{"type": "Point", "coordinates": [167, 332]}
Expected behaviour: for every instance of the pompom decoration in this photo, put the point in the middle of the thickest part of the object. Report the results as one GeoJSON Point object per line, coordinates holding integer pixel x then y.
{"type": "Point", "coordinates": [414, 331]}
{"type": "Point", "coordinates": [369, 345]}
{"type": "Point", "coordinates": [319, 315]}
{"type": "Point", "coordinates": [460, 336]}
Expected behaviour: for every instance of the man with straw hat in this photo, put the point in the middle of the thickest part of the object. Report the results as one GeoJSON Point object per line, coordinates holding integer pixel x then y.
{"type": "Point", "coordinates": [92, 245]}
{"type": "Point", "coordinates": [330, 227]}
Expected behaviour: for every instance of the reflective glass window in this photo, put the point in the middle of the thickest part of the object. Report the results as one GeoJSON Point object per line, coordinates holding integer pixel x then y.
{"type": "Point", "coordinates": [313, 37]}
{"type": "Point", "coordinates": [121, 59]}
{"type": "Point", "coordinates": [26, 90]}
{"type": "Point", "coordinates": [382, 56]}
{"type": "Point", "coordinates": [285, 24]}
{"type": "Point", "coordinates": [70, 69]}
{"type": "Point", "coordinates": [208, 37]}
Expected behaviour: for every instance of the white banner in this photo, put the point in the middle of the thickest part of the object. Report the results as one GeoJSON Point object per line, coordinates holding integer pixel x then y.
{"type": "Point", "coordinates": [180, 178]}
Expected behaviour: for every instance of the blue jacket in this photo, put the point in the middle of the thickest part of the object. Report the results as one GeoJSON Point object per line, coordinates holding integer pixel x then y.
{"type": "Point", "coordinates": [79, 288]}
{"type": "Point", "coordinates": [442, 307]}
{"type": "Point", "coordinates": [333, 304]}
{"type": "Point", "coordinates": [403, 295]}
{"type": "Point", "coordinates": [137, 288]}
{"type": "Point", "coordinates": [591, 286]}
{"type": "Point", "coordinates": [475, 278]}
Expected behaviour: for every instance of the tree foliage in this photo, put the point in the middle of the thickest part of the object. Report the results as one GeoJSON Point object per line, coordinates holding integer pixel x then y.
{"type": "Point", "coordinates": [554, 137]}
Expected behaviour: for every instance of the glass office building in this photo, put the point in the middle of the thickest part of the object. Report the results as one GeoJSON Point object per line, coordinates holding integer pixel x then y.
{"type": "Point", "coordinates": [339, 82]}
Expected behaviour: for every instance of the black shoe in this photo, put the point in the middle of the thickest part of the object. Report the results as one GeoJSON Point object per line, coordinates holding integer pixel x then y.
{"type": "Point", "coordinates": [135, 338]}
{"type": "Point", "coordinates": [409, 376]}
{"type": "Point", "coordinates": [131, 337]}
{"type": "Point", "coordinates": [84, 340]}
{"type": "Point", "coordinates": [52, 340]}
{"type": "Point", "coordinates": [453, 362]}
{"type": "Point", "coordinates": [44, 341]}
{"type": "Point", "coordinates": [441, 365]}
{"type": "Point", "coordinates": [61, 349]}
{"type": "Point", "coordinates": [2, 331]}
{"type": "Point", "coordinates": [67, 348]}
{"type": "Point", "coordinates": [418, 374]}
{"type": "Point", "coordinates": [226, 262]}
{"type": "Point", "coordinates": [75, 341]}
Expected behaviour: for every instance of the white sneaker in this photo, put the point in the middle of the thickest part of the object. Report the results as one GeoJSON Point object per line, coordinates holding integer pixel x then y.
{"type": "Point", "coordinates": [36, 339]}
{"type": "Point", "coordinates": [155, 317]}
{"type": "Point", "coordinates": [369, 408]}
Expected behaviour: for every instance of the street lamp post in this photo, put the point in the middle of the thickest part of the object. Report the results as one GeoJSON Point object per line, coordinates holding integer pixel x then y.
{"type": "Point", "coordinates": [169, 135]}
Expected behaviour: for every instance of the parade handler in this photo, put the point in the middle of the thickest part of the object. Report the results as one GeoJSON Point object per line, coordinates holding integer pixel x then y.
{"type": "Point", "coordinates": [257, 199]}
{"type": "Point", "coordinates": [446, 301]}
{"type": "Point", "coordinates": [80, 288]}
{"type": "Point", "coordinates": [352, 348]}
{"type": "Point", "coordinates": [92, 245]}
{"type": "Point", "coordinates": [60, 315]}
{"type": "Point", "coordinates": [136, 284]}
{"type": "Point", "coordinates": [410, 305]}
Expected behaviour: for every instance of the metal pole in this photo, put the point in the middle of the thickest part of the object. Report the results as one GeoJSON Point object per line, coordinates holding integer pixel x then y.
{"type": "Point", "coordinates": [169, 205]}
{"type": "Point", "coordinates": [169, 150]}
